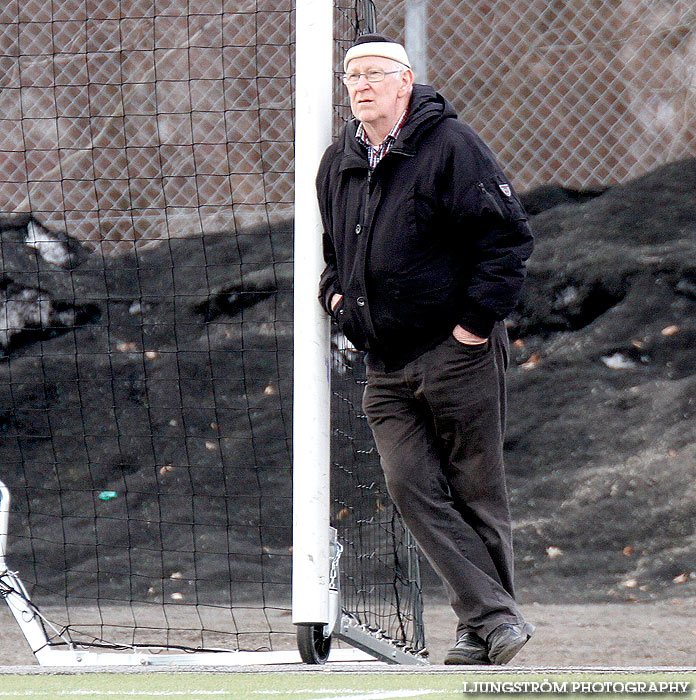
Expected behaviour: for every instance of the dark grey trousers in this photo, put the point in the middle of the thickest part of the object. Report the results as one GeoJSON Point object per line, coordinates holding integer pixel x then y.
{"type": "Point", "coordinates": [438, 425]}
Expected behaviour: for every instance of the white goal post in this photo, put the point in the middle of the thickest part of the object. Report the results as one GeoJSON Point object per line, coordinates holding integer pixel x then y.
{"type": "Point", "coordinates": [312, 391]}
{"type": "Point", "coordinates": [316, 607]}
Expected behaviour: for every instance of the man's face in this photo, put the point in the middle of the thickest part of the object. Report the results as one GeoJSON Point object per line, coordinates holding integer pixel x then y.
{"type": "Point", "coordinates": [376, 103]}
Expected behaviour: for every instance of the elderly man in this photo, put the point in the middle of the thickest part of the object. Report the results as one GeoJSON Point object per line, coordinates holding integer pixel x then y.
{"type": "Point", "coordinates": [425, 245]}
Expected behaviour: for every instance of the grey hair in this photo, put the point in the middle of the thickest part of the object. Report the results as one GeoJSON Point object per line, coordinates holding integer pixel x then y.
{"type": "Point", "coordinates": [399, 66]}
{"type": "Point", "coordinates": [402, 67]}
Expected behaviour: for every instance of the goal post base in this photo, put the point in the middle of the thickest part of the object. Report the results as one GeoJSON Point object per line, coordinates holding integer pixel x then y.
{"type": "Point", "coordinates": [314, 639]}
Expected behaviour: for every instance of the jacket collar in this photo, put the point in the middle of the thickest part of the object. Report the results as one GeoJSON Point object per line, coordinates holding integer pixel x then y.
{"type": "Point", "coordinates": [427, 108]}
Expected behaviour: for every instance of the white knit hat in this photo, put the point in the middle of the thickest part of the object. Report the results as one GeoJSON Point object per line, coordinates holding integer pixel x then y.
{"type": "Point", "coordinates": [376, 45]}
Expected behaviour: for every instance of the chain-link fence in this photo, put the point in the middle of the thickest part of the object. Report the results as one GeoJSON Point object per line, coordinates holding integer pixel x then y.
{"type": "Point", "coordinates": [135, 120]}
{"type": "Point", "coordinates": [577, 92]}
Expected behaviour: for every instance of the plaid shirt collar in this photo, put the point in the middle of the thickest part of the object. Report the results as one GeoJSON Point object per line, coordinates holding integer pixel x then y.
{"type": "Point", "coordinates": [376, 153]}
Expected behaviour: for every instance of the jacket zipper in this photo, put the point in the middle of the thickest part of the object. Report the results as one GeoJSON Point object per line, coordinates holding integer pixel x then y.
{"type": "Point", "coordinates": [364, 231]}
{"type": "Point", "coordinates": [367, 197]}
{"type": "Point", "coordinates": [488, 197]}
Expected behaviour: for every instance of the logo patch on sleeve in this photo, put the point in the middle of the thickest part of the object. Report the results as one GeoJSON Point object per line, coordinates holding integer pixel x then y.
{"type": "Point", "coordinates": [505, 189]}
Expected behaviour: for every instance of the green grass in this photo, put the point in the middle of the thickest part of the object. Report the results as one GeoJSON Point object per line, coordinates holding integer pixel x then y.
{"type": "Point", "coordinates": [323, 685]}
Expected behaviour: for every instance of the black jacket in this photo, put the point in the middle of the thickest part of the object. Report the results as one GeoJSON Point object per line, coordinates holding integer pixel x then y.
{"type": "Point", "coordinates": [435, 236]}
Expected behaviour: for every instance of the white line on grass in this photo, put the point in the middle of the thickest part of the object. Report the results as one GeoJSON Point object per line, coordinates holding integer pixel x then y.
{"type": "Point", "coordinates": [356, 691]}
{"type": "Point", "coordinates": [102, 693]}
{"type": "Point", "coordinates": [379, 695]}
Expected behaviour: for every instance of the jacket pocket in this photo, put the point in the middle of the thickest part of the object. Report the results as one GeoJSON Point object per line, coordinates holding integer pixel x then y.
{"type": "Point", "coordinates": [471, 347]}
{"type": "Point", "coordinates": [421, 310]}
{"type": "Point", "coordinates": [348, 322]}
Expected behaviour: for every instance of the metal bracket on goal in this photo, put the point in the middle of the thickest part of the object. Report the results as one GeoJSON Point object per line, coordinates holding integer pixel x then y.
{"type": "Point", "coordinates": [374, 644]}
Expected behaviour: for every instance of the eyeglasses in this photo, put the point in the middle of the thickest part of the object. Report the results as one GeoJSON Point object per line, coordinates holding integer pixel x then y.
{"type": "Point", "coordinates": [373, 76]}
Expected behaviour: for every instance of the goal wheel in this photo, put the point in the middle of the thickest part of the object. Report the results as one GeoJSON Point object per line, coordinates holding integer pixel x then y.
{"type": "Point", "coordinates": [313, 645]}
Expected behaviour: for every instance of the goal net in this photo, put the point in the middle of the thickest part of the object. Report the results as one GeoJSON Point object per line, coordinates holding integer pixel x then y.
{"type": "Point", "coordinates": [146, 322]}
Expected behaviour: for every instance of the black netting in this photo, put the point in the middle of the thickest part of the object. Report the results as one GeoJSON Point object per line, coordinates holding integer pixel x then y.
{"type": "Point", "coordinates": [380, 574]}
{"type": "Point", "coordinates": [146, 320]}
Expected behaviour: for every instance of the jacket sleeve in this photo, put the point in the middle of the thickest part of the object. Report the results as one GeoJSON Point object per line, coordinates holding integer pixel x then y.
{"type": "Point", "coordinates": [328, 282]}
{"type": "Point", "coordinates": [493, 237]}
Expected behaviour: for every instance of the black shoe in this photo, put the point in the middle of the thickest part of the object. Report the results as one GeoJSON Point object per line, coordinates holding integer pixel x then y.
{"type": "Point", "coordinates": [506, 640]}
{"type": "Point", "coordinates": [469, 649]}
